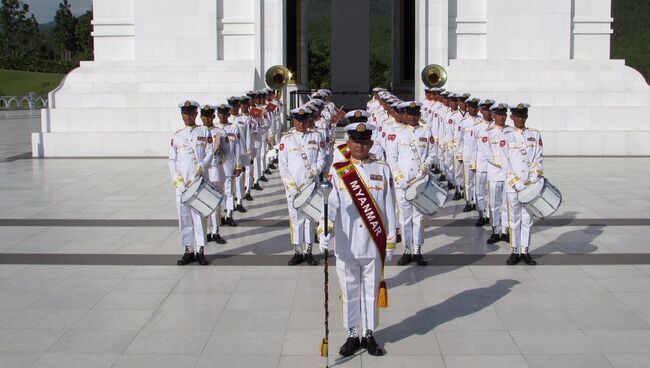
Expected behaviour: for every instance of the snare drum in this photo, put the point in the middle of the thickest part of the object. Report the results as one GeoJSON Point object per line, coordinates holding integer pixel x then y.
{"type": "Point", "coordinates": [203, 197]}
{"type": "Point", "coordinates": [427, 195]}
{"type": "Point", "coordinates": [310, 202]}
{"type": "Point", "coordinates": [541, 198]}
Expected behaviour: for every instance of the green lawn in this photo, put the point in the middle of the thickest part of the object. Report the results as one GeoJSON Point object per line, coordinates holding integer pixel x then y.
{"type": "Point", "coordinates": [17, 83]}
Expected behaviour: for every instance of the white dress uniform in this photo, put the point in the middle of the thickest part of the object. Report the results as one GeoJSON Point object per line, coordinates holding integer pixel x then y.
{"type": "Point", "coordinates": [480, 161]}
{"type": "Point", "coordinates": [323, 127]}
{"type": "Point", "coordinates": [241, 122]}
{"type": "Point", "coordinates": [440, 115]}
{"type": "Point", "coordinates": [496, 177]}
{"type": "Point", "coordinates": [523, 165]}
{"type": "Point", "coordinates": [215, 171]}
{"type": "Point", "coordinates": [410, 155]}
{"type": "Point", "coordinates": [301, 160]}
{"type": "Point", "coordinates": [450, 122]}
{"type": "Point", "coordinates": [190, 153]}
{"type": "Point", "coordinates": [358, 262]}
{"type": "Point", "coordinates": [467, 150]}
{"type": "Point", "coordinates": [457, 151]}
{"type": "Point", "coordinates": [256, 132]}
{"type": "Point", "coordinates": [231, 152]}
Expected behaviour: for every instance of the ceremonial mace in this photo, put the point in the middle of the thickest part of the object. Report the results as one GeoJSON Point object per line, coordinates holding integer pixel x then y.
{"type": "Point", "coordinates": [326, 188]}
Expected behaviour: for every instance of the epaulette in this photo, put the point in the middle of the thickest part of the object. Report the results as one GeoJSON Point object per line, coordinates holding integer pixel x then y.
{"type": "Point", "coordinates": [178, 130]}
{"type": "Point", "coordinates": [532, 130]}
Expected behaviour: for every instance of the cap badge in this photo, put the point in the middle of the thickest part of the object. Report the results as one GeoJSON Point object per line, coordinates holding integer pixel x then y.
{"type": "Point", "coordinates": [187, 104]}
{"type": "Point", "coordinates": [357, 114]}
{"type": "Point", "coordinates": [361, 127]}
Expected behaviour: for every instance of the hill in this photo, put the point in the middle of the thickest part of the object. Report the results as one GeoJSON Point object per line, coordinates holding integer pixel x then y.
{"type": "Point", "coordinates": [18, 83]}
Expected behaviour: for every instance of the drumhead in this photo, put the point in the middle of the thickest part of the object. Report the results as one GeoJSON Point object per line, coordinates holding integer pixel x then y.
{"type": "Point", "coordinates": [415, 188]}
{"type": "Point", "coordinates": [191, 190]}
{"type": "Point", "coordinates": [531, 191]}
{"type": "Point", "coordinates": [303, 196]}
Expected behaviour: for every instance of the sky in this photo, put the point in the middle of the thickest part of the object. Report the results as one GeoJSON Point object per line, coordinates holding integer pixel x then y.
{"type": "Point", "coordinates": [44, 9]}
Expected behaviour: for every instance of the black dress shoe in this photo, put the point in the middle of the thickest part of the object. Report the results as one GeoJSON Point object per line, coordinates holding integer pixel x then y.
{"type": "Point", "coordinates": [263, 178]}
{"type": "Point", "coordinates": [419, 260]}
{"type": "Point", "coordinates": [457, 196]}
{"type": "Point", "coordinates": [467, 208]}
{"type": "Point", "coordinates": [473, 207]}
{"type": "Point", "coordinates": [230, 221]}
{"type": "Point", "coordinates": [186, 259]}
{"type": "Point", "coordinates": [256, 186]}
{"type": "Point", "coordinates": [240, 208]}
{"type": "Point", "coordinates": [351, 346]}
{"type": "Point", "coordinates": [248, 197]}
{"type": "Point", "coordinates": [208, 238]}
{"type": "Point", "coordinates": [217, 238]}
{"type": "Point", "coordinates": [513, 259]}
{"type": "Point", "coordinates": [481, 221]}
{"type": "Point", "coordinates": [200, 259]}
{"type": "Point", "coordinates": [405, 259]}
{"type": "Point", "coordinates": [505, 238]}
{"type": "Point", "coordinates": [267, 171]}
{"type": "Point", "coordinates": [223, 221]}
{"type": "Point", "coordinates": [442, 178]}
{"type": "Point", "coordinates": [528, 259]}
{"type": "Point", "coordinates": [450, 186]}
{"type": "Point", "coordinates": [309, 258]}
{"type": "Point", "coordinates": [398, 238]}
{"type": "Point", "coordinates": [371, 346]}
{"type": "Point", "coordinates": [296, 259]}
{"type": "Point", "coordinates": [494, 238]}
{"type": "Point", "coordinates": [436, 171]}
{"type": "Point", "coordinates": [272, 167]}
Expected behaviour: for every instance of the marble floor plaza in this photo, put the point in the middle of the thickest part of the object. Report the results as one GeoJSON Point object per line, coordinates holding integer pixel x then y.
{"type": "Point", "coordinates": [88, 279]}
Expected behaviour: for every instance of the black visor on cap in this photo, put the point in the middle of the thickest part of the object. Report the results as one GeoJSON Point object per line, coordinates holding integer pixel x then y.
{"type": "Point", "coordinates": [188, 109]}
{"type": "Point", "coordinates": [360, 136]}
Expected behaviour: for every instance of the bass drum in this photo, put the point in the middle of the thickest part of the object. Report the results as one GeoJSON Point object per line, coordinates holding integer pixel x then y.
{"type": "Point", "coordinates": [427, 195]}
{"type": "Point", "coordinates": [541, 198]}
{"type": "Point", "coordinates": [203, 197]}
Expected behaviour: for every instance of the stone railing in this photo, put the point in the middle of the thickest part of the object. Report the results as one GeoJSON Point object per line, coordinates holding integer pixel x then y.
{"type": "Point", "coordinates": [31, 101]}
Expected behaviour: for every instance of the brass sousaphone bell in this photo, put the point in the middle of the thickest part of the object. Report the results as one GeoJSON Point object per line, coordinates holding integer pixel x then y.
{"type": "Point", "coordinates": [277, 77]}
{"type": "Point", "coordinates": [434, 76]}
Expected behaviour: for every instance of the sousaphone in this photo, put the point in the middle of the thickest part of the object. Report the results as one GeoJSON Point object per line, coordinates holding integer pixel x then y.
{"type": "Point", "coordinates": [434, 76]}
{"type": "Point", "coordinates": [277, 77]}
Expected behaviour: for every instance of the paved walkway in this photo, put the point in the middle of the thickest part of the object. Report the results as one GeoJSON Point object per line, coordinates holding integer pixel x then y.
{"type": "Point", "coordinates": [87, 279]}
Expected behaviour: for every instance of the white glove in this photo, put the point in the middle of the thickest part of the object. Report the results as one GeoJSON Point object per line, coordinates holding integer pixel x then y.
{"type": "Point", "coordinates": [519, 186]}
{"type": "Point", "coordinates": [181, 188]}
{"type": "Point", "coordinates": [292, 192]}
{"type": "Point", "coordinates": [402, 184]}
{"type": "Point", "coordinates": [324, 242]}
{"type": "Point", "coordinates": [198, 171]}
{"type": "Point", "coordinates": [312, 174]}
{"type": "Point", "coordinates": [389, 254]}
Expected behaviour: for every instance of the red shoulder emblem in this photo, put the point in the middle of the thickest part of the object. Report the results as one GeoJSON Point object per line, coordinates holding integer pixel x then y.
{"type": "Point", "coordinates": [281, 146]}
{"type": "Point", "coordinates": [432, 140]}
{"type": "Point", "coordinates": [450, 121]}
{"type": "Point", "coordinates": [502, 143]}
{"type": "Point", "coordinates": [322, 144]}
{"type": "Point", "coordinates": [484, 140]}
{"type": "Point", "coordinates": [391, 137]}
{"type": "Point", "coordinates": [210, 139]}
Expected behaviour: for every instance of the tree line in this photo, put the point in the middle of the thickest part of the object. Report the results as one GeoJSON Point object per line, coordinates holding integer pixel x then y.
{"type": "Point", "coordinates": [27, 46]}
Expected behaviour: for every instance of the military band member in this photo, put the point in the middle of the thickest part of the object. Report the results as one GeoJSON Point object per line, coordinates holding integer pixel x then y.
{"type": "Point", "coordinates": [362, 212]}
{"type": "Point", "coordinates": [410, 156]}
{"type": "Point", "coordinates": [190, 156]}
{"type": "Point", "coordinates": [301, 160]}
{"type": "Point", "coordinates": [256, 133]}
{"type": "Point", "coordinates": [480, 158]}
{"type": "Point", "coordinates": [496, 175]}
{"type": "Point", "coordinates": [230, 151]}
{"type": "Point", "coordinates": [449, 123]}
{"type": "Point", "coordinates": [467, 149]}
{"type": "Point", "coordinates": [523, 166]}
{"type": "Point", "coordinates": [245, 153]}
{"type": "Point", "coordinates": [215, 171]}
{"type": "Point", "coordinates": [457, 150]}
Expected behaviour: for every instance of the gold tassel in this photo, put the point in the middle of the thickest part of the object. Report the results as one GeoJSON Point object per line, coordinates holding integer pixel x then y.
{"type": "Point", "coordinates": [324, 350]}
{"type": "Point", "coordinates": [382, 302]}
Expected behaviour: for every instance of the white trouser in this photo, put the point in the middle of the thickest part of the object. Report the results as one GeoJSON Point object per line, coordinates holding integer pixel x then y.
{"type": "Point", "coordinates": [498, 206]}
{"type": "Point", "coordinates": [458, 173]}
{"type": "Point", "coordinates": [359, 281]}
{"type": "Point", "coordinates": [213, 224]}
{"type": "Point", "coordinates": [449, 165]}
{"type": "Point", "coordinates": [256, 169]}
{"type": "Point", "coordinates": [481, 190]}
{"type": "Point", "coordinates": [239, 185]}
{"type": "Point", "coordinates": [300, 227]}
{"type": "Point", "coordinates": [229, 193]}
{"type": "Point", "coordinates": [468, 182]}
{"type": "Point", "coordinates": [520, 220]}
{"type": "Point", "coordinates": [191, 225]}
{"type": "Point", "coordinates": [410, 221]}
{"type": "Point", "coordinates": [264, 154]}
